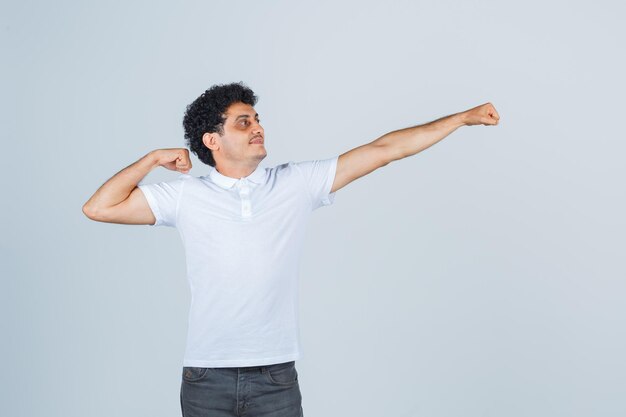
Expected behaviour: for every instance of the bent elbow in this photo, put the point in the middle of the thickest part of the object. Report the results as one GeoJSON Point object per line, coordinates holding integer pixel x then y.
{"type": "Point", "coordinates": [89, 212]}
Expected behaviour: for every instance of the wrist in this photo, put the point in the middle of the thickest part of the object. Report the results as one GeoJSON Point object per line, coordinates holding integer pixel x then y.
{"type": "Point", "coordinates": [462, 118]}
{"type": "Point", "coordinates": [152, 159]}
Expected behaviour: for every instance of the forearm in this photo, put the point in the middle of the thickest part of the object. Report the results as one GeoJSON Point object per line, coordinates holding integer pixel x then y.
{"type": "Point", "coordinates": [119, 187]}
{"type": "Point", "coordinates": [411, 140]}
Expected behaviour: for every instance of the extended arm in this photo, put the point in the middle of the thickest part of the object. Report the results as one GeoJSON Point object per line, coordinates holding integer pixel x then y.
{"type": "Point", "coordinates": [401, 143]}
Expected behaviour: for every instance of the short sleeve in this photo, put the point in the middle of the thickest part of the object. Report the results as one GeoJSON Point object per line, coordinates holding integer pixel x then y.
{"type": "Point", "coordinates": [163, 198]}
{"type": "Point", "coordinates": [319, 176]}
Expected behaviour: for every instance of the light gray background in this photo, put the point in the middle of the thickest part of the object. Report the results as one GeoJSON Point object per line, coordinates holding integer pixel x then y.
{"type": "Point", "coordinates": [481, 277]}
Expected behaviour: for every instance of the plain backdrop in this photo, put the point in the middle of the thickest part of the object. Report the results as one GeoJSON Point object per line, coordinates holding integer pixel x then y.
{"type": "Point", "coordinates": [481, 277]}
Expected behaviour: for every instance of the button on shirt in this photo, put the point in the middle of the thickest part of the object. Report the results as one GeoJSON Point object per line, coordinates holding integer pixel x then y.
{"type": "Point", "coordinates": [243, 239]}
{"type": "Point", "coordinates": [243, 186]}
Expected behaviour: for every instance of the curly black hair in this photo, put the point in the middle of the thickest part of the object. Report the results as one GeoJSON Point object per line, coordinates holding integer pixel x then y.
{"type": "Point", "coordinates": [206, 114]}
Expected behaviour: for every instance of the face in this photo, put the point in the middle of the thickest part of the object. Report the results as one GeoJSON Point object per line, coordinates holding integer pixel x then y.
{"type": "Point", "coordinates": [244, 138]}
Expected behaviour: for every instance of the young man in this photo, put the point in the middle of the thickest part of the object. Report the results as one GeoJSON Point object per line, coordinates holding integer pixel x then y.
{"type": "Point", "coordinates": [243, 227]}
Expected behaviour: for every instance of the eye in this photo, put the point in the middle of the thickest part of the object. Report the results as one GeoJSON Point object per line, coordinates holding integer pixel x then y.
{"type": "Point", "coordinates": [246, 122]}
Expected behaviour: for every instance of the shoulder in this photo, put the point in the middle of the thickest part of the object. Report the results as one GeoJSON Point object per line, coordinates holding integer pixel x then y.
{"type": "Point", "coordinates": [284, 173]}
{"type": "Point", "coordinates": [282, 169]}
{"type": "Point", "coordinates": [168, 188]}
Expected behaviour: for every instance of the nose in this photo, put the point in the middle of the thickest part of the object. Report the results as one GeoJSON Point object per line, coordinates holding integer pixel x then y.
{"type": "Point", "coordinates": [258, 129]}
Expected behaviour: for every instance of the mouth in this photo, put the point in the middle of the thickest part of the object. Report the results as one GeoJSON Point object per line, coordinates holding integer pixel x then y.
{"type": "Point", "coordinates": [257, 140]}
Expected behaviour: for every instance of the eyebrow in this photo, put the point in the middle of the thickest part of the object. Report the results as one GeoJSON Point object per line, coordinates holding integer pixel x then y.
{"type": "Point", "coordinates": [246, 115]}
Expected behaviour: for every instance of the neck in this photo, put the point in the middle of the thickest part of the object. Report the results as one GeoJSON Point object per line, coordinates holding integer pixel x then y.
{"type": "Point", "coordinates": [236, 172]}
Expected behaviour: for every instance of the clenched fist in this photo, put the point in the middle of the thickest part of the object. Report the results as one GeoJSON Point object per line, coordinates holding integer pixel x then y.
{"type": "Point", "coordinates": [175, 159]}
{"type": "Point", "coordinates": [484, 114]}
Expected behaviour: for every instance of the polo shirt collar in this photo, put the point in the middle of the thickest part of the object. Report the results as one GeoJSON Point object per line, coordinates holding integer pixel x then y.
{"type": "Point", "coordinates": [257, 177]}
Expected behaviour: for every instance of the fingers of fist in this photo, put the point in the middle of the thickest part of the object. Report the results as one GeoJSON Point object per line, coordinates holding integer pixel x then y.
{"type": "Point", "coordinates": [183, 165]}
{"type": "Point", "coordinates": [175, 159]}
{"type": "Point", "coordinates": [491, 115]}
{"type": "Point", "coordinates": [485, 114]}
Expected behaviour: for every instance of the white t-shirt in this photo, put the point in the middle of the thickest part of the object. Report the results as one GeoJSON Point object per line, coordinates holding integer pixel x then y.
{"type": "Point", "coordinates": [242, 241]}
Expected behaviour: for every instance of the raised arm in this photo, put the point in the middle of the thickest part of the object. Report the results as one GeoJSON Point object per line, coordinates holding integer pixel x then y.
{"type": "Point", "coordinates": [119, 200]}
{"type": "Point", "coordinates": [399, 144]}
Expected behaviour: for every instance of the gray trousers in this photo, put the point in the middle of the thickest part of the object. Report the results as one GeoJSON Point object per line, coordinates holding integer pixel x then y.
{"type": "Point", "coordinates": [254, 391]}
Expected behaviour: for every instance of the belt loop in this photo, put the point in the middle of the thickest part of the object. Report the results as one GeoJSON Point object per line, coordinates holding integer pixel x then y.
{"type": "Point", "coordinates": [263, 369]}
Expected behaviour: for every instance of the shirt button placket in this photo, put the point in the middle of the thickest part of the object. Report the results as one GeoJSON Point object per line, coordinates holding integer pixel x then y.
{"type": "Point", "coordinates": [244, 194]}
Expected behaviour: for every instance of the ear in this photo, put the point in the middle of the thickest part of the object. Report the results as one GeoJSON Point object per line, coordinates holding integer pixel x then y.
{"type": "Point", "coordinates": [210, 141]}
